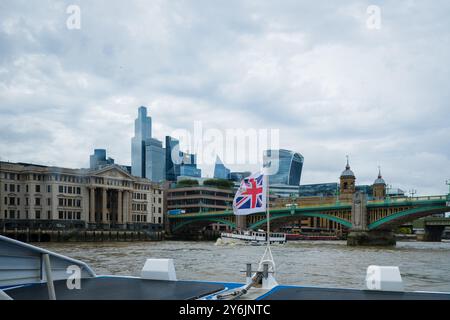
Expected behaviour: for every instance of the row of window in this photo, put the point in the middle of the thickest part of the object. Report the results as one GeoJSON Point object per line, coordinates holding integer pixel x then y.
{"type": "Point", "coordinates": [69, 189]}
{"type": "Point", "coordinates": [13, 201]}
{"type": "Point", "coordinates": [15, 214]}
{"type": "Point", "coordinates": [69, 215]}
{"type": "Point", "coordinates": [143, 218]}
{"type": "Point", "coordinates": [16, 188]}
{"type": "Point", "coordinates": [63, 202]}
{"type": "Point", "coordinates": [139, 196]}
{"type": "Point", "coordinates": [139, 207]}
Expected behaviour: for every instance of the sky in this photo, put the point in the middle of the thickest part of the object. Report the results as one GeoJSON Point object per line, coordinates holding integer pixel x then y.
{"type": "Point", "coordinates": [323, 73]}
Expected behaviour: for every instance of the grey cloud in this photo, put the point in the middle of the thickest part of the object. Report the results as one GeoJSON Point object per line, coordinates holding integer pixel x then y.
{"type": "Point", "coordinates": [314, 71]}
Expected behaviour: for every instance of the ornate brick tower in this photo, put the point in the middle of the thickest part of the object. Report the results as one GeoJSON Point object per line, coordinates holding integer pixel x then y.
{"type": "Point", "coordinates": [379, 187]}
{"type": "Point", "coordinates": [347, 186]}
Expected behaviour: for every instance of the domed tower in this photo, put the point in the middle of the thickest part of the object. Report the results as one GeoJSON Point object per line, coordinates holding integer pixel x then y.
{"type": "Point", "coordinates": [347, 185]}
{"type": "Point", "coordinates": [379, 187]}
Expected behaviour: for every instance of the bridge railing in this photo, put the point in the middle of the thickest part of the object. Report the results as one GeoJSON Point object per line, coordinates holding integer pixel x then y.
{"type": "Point", "coordinates": [407, 199]}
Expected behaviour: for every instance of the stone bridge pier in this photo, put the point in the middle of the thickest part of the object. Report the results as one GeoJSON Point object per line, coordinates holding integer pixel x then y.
{"type": "Point", "coordinates": [359, 234]}
{"type": "Point", "coordinates": [431, 234]}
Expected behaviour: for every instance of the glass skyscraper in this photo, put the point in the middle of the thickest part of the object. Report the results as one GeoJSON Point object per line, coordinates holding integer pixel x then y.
{"type": "Point", "coordinates": [179, 163]}
{"type": "Point", "coordinates": [98, 159]}
{"type": "Point", "coordinates": [289, 164]}
{"type": "Point", "coordinates": [142, 132]}
{"type": "Point", "coordinates": [220, 171]}
{"type": "Point", "coordinates": [147, 153]}
{"type": "Point", "coordinates": [154, 160]}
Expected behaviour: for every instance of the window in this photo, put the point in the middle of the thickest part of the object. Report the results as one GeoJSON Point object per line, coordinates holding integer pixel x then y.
{"type": "Point", "coordinates": [159, 210]}
{"type": "Point", "coordinates": [79, 203]}
{"type": "Point", "coordinates": [78, 190]}
{"type": "Point", "coordinates": [48, 201]}
{"type": "Point", "coordinates": [6, 200]}
{"type": "Point", "coordinates": [26, 188]}
{"type": "Point", "coordinates": [60, 215]}
{"type": "Point", "coordinates": [26, 201]}
{"type": "Point", "coordinates": [78, 216]}
{"type": "Point", "coordinates": [38, 201]}
{"type": "Point", "coordinates": [12, 188]}
{"type": "Point", "coordinates": [69, 215]}
{"type": "Point", "coordinates": [38, 214]}
{"type": "Point", "coordinates": [6, 187]}
{"type": "Point", "coordinates": [61, 202]}
{"type": "Point", "coordinates": [69, 202]}
{"type": "Point", "coordinates": [18, 188]}
{"type": "Point", "coordinates": [12, 214]}
{"type": "Point", "coordinates": [18, 201]}
{"type": "Point", "coordinates": [159, 220]}
{"type": "Point", "coordinates": [49, 189]}
{"type": "Point", "coordinates": [70, 190]}
{"type": "Point", "coordinates": [60, 189]}
{"type": "Point", "coordinates": [38, 188]}
{"type": "Point", "coordinates": [12, 201]}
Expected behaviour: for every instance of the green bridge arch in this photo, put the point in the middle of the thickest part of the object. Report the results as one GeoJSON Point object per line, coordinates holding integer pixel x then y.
{"type": "Point", "coordinates": [189, 221]}
{"type": "Point", "coordinates": [410, 212]}
{"type": "Point", "coordinates": [345, 223]}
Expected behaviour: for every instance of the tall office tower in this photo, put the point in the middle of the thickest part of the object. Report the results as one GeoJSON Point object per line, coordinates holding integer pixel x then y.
{"type": "Point", "coordinates": [220, 171]}
{"type": "Point", "coordinates": [172, 158]}
{"type": "Point", "coordinates": [289, 164]}
{"type": "Point", "coordinates": [142, 132]}
{"type": "Point", "coordinates": [154, 160]}
{"type": "Point", "coordinates": [98, 159]}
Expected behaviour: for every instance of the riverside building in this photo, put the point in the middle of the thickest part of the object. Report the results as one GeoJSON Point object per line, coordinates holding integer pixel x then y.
{"type": "Point", "coordinates": [103, 198]}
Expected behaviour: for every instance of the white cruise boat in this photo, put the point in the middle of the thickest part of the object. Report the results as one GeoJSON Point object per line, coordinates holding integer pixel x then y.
{"type": "Point", "coordinates": [252, 237]}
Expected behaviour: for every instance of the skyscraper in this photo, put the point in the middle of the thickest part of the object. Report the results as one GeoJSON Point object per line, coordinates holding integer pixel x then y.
{"type": "Point", "coordinates": [179, 163]}
{"type": "Point", "coordinates": [98, 159]}
{"type": "Point", "coordinates": [220, 171]}
{"type": "Point", "coordinates": [289, 164]}
{"type": "Point", "coordinates": [154, 160]}
{"type": "Point", "coordinates": [142, 132]}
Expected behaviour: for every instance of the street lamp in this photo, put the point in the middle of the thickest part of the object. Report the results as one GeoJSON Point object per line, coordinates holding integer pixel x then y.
{"type": "Point", "coordinates": [412, 192]}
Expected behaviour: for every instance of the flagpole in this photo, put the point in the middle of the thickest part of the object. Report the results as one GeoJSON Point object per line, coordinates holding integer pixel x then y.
{"type": "Point", "coordinates": [268, 212]}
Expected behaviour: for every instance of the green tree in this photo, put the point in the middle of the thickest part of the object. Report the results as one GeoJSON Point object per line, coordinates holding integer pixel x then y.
{"type": "Point", "coordinates": [219, 183]}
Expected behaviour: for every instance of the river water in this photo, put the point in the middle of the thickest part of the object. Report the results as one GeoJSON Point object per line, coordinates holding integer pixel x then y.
{"type": "Point", "coordinates": [423, 265]}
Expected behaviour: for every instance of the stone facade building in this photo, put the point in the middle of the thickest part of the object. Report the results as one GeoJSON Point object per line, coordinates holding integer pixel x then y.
{"type": "Point", "coordinates": [101, 198]}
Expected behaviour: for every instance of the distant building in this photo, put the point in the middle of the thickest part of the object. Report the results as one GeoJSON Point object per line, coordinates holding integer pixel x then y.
{"type": "Point", "coordinates": [220, 171]}
{"type": "Point", "coordinates": [284, 190]}
{"type": "Point", "coordinates": [154, 160]}
{"type": "Point", "coordinates": [147, 153]}
{"type": "Point", "coordinates": [289, 163]}
{"type": "Point", "coordinates": [142, 132]}
{"type": "Point", "coordinates": [199, 199]}
{"type": "Point", "coordinates": [179, 163]}
{"type": "Point", "coordinates": [98, 159]}
{"type": "Point", "coordinates": [319, 190]}
{"type": "Point", "coordinates": [239, 176]}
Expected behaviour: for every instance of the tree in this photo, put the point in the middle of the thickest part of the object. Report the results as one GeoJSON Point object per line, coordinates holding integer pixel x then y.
{"type": "Point", "coordinates": [187, 183]}
{"type": "Point", "coordinates": [219, 183]}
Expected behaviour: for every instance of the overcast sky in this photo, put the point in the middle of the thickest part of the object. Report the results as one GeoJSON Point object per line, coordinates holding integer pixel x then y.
{"type": "Point", "coordinates": [312, 69]}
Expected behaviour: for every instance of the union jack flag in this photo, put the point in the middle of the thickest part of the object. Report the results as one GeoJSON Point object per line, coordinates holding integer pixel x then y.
{"type": "Point", "coordinates": [251, 195]}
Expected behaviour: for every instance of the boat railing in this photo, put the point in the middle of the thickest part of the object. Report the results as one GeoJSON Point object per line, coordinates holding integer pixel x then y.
{"type": "Point", "coordinates": [22, 263]}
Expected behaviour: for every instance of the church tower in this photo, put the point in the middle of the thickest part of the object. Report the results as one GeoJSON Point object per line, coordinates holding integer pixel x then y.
{"type": "Point", "coordinates": [347, 183]}
{"type": "Point", "coordinates": [379, 187]}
